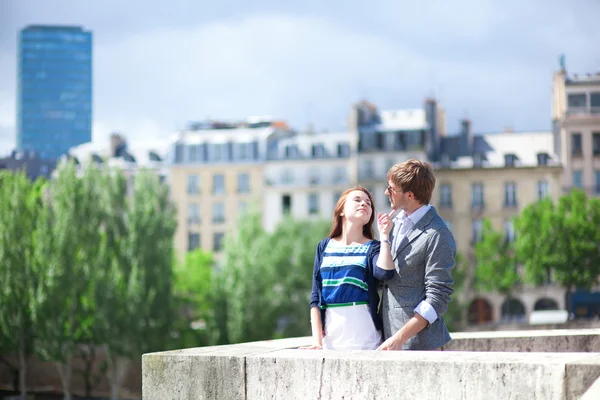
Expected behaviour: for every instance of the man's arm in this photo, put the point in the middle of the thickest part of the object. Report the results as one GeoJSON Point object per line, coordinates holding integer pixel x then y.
{"type": "Point", "coordinates": [441, 253]}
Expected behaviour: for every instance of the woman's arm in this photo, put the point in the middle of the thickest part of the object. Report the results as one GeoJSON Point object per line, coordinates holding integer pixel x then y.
{"type": "Point", "coordinates": [384, 265]}
{"type": "Point", "coordinates": [317, 329]}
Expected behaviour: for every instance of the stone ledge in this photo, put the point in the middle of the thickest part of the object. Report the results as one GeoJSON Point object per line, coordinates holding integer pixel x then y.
{"type": "Point", "coordinates": [277, 370]}
{"type": "Point", "coordinates": [558, 340]}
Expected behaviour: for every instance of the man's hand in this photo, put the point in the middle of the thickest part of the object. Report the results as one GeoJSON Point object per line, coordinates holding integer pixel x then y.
{"type": "Point", "coordinates": [384, 224]}
{"type": "Point", "coordinates": [393, 343]}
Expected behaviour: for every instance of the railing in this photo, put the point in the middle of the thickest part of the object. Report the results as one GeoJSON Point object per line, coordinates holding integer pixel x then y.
{"type": "Point", "coordinates": [583, 111]}
{"type": "Point", "coordinates": [589, 190]}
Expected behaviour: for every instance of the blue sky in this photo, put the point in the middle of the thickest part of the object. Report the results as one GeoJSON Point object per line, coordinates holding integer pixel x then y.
{"type": "Point", "coordinates": [158, 65]}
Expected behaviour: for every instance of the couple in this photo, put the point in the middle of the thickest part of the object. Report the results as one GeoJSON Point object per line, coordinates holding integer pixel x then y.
{"type": "Point", "coordinates": [412, 260]}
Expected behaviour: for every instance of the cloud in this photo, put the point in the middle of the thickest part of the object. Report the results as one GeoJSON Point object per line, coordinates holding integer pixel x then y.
{"type": "Point", "coordinates": [307, 62]}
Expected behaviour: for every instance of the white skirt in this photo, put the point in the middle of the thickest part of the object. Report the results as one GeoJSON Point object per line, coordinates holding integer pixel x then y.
{"type": "Point", "coordinates": [350, 328]}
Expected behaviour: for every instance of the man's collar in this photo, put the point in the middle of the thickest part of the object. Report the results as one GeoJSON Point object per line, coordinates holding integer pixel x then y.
{"type": "Point", "coordinates": [415, 216]}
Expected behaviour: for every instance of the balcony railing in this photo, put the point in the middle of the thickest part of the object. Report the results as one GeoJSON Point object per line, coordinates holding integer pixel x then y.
{"type": "Point", "coordinates": [589, 190]}
{"type": "Point", "coordinates": [572, 111]}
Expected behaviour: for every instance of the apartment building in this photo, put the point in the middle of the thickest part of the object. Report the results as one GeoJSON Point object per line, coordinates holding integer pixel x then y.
{"type": "Point", "coordinates": [217, 171]}
{"type": "Point", "coordinates": [487, 176]}
{"type": "Point", "coordinates": [117, 152]}
{"type": "Point", "coordinates": [494, 176]}
{"type": "Point", "coordinates": [383, 138]}
{"type": "Point", "coordinates": [576, 128]}
{"type": "Point", "coordinates": [305, 175]}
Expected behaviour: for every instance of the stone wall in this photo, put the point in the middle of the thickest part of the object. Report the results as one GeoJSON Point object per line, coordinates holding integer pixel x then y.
{"type": "Point", "coordinates": [508, 369]}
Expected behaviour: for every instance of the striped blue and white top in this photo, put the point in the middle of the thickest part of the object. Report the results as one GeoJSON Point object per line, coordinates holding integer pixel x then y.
{"type": "Point", "coordinates": [343, 271]}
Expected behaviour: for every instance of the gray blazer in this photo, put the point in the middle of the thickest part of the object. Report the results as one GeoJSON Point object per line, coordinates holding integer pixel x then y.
{"type": "Point", "coordinates": [423, 260]}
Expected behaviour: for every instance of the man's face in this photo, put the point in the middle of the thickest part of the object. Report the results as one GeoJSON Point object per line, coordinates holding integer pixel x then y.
{"type": "Point", "coordinates": [398, 199]}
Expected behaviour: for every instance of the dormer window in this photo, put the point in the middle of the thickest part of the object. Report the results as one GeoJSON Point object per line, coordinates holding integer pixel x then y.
{"type": "Point", "coordinates": [445, 160]}
{"type": "Point", "coordinates": [542, 159]}
{"type": "Point", "coordinates": [510, 160]}
{"type": "Point", "coordinates": [97, 159]}
{"type": "Point", "coordinates": [477, 160]}
{"type": "Point", "coordinates": [318, 151]}
{"type": "Point", "coordinates": [154, 157]}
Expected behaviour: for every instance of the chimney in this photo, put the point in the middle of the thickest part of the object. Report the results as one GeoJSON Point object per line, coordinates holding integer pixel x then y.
{"type": "Point", "coordinates": [466, 137]}
{"type": "Point", "coordinates": [117, 142]}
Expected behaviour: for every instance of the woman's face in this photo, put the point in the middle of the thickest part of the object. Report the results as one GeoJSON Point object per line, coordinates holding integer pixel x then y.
{"type": "Point", "coordinates": [358, 207]}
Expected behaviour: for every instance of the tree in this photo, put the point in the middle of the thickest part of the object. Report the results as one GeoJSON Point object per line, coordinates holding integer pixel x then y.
{"type": "Point", "coordinates": [496, 262]}
{"type": "Point", "coordinates": [20, 204]}
{"type": "Point", "coordinates": [455, 316]}
{"type": "Point", "coordinates": [293, 254]}
{"type": "Point", "coordinates": [67, 242]}
{"type": "Point", "coordinates": [264, 286]}
{"type": "Point", "coordinates": [137, 286]}
{"type": "Point", "coordinates": [561, 241]}
{"type": "Point", "coordinates": [192, 299]}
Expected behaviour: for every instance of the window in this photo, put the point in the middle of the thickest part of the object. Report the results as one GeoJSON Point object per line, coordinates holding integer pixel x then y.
{"type": "Point", "coordinates": [542, 159]}
{"type": "Point", "coordinates": [578, 178]}
{"type": "Point", "coordinates": [193, 213]}
{"type": "Point", "coordinates": [313, 203]}
{"type": "Point", "coordinates": [597, 181]}
{"type": "Point", "coordinates": [336, 197]}
{"type": "Point", "coordinates": [318, 150]}
{"type": "Point", "coordinates": [218, 241]}
{"type": "Point", "coordinates": [542, 189]}
{"type": "Point", "coordinates": [477, 160]}
{"type": "Point", "coordinates": [218, 213]}
{"type": "Point", "coordinates": [510, 194]}
{"type": "Point", "coordinates": [218, 184]}
{"type": "Point", "coordinates": [313, 176]}
{"type": "Point", "coordinates": [368, 169]}
{"type": "Point", "coordinates": [389, 164]}
{"type": "Point", "coordinates": [596, 143]}
{"type": "Point", "coordinates": [193, 241]}
{"type": "Point", "coordinates": [446, 196]}
{"type": "Point", "coordinates": [193, 184]}
{"type": "Point", "coordinates": [509, 230]}
{"type": "Point", "coordinates": [576, 101]}
{"type": "Point", "coordinates": [595, 102]}
{"type": "Point", "coordinates": [242, 207]}
{"type": "Point", "coordinates": [343, 150]}
{"type": "Point", "coordinates": [477, 195]}
{"type": "Point", "coordinates": [243, 183]}
{"type": "Point", "coordinates": [244, 151]}
{"type": "Point", "coordinates": [286, 203]}
{"type": "Point", "coordinates": [287, 177]}
{"type": "Point", "coordinates": [477, 231]}
{"type": "Point", "coordinates": [510, 160]}
{"type": "Point", "coordinates": [576, 144]}
{"type": "Point", "coordinates": [339, 175]}
{"type": "Point", "coordinates": [194, 153]}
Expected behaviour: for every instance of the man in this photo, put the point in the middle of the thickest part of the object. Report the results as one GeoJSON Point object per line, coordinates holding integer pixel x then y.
{"type": "Point", "coordinates": [423, 252]}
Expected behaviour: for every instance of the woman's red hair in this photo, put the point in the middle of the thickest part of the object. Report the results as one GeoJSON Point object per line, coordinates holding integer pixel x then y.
{"type": "Point", "coordinates": [336, 223]}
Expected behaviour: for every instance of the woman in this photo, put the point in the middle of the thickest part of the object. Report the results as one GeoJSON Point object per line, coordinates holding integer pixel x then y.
{"type": "Point", "coordinates": [344, 296]}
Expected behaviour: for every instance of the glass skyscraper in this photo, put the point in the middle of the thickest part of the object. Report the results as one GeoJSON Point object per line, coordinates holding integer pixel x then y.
{"type": "Point", "coordinates": [55, 89]}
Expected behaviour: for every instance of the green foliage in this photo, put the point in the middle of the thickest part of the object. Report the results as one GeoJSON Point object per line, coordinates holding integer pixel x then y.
{"type": "Point", "coordinates": [264, 287]}
{"type": "Point", "coordinates": [20, 270]}
{"type": "Point", "coordinates": [454, 317]}
{"type": "Point", "coordinates": [496, 261]}
{"type": "Point", "coordinates": [561, 241]}
{"type": "Point", "coordinates": [192, 297]}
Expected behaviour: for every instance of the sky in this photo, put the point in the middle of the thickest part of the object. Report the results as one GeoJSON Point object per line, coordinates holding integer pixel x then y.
{"type": "Point", "coordinates": [158, 65]}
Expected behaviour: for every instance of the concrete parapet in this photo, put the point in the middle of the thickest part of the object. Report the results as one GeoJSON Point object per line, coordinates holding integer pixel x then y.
{"type": "Point", "coordinates": [557, 340]}
{"type": "Point", "coordinates": [278, 370]}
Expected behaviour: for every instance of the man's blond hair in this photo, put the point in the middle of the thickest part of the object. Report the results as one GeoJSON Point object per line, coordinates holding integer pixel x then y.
{"type": "Point", "coordinates": [414, 176]}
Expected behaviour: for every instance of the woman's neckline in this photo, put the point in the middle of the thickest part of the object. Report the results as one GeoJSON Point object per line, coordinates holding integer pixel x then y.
{"type": "Point", "coordinates": [337, 243]}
